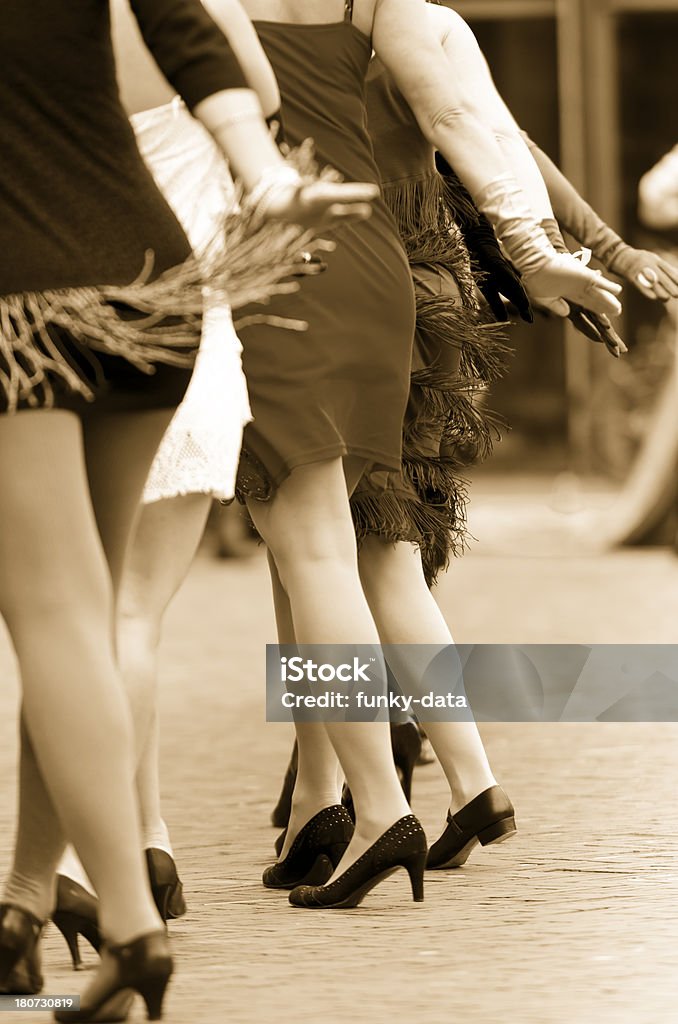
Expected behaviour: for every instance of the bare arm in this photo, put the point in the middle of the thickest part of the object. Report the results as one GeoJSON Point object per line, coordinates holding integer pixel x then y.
{"type": "Point", "coordinates": [411, 47]}
{"type": "Point", "coordinates": [407, 43]}
{"type": "Point", "coordinates": [481, 97]}
{"type": "Point", "coordinates": [233, 21]}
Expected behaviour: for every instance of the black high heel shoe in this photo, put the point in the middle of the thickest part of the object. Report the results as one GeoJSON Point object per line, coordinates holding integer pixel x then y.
{"type": "Point", "coordinates": [166, 886]}
{"type": "Point", "coordinates": [143, 966]}
{"type": "Point", "coordinates": [406, 743]}
{"type": "Point", "coordinates": [402, 845]}
{"type": "Point", "coordinates": [315, 852]}
{"type": "Point", "coordinates": [76, 914]}
{"type": "Point", "coordinates": [487, 819]}
{"type": "Point", "coordinates": [20, 972]}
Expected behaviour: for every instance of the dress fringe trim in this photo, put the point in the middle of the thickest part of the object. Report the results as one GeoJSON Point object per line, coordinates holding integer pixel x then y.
{"type": "Point", "coordinates": [151, 320]}
{"type": "Point", "coordinates": [447, 426]}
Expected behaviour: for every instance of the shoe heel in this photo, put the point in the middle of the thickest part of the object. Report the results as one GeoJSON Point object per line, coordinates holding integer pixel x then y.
{"type": "Point", "coordinates": [335, 852]}
{"type": "Point", "coordinates": [162, 895]}
{"type": "Point", "coordinates": [498, 831]}
{"type": "Point", "coordinates": [415, 865]}
{"type": "Point", "coordinates": [320, 873]}
{"type": "Point", "coordinates": [152, 991]}
{"type": "Point", "coordinates": [69, 930]}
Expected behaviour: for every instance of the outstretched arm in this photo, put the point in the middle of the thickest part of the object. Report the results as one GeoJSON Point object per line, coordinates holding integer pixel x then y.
{"type": "Point", "coordinates": [652, 275]}
{"type": "Point", "coordinates": [406, 41]}
{"type": "Point", "coordinates": [482, 98]}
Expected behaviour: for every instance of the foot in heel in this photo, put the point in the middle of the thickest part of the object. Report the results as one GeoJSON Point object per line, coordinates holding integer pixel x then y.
{"type": "Point", "coordinates": [319, 846]}
{"type": "Point", "coordinates": [76, 914]}
{"type": "Point", "coordinates": [166, 886]}
{"type": "Point", "coordinates": [489, 818]}
{"type": "Point", "coordinates": [20, 970]}
{"type": "Point", "coordinates": [402, 845]}
{"type": "Point", "coordinates": [143, 966]}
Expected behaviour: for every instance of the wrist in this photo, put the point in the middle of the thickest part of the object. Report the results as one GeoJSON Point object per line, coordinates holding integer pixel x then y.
{"type": "Point", "coordinates": [615, 255]}
{"type": "Point", "coordinates": [525, 241]}
{"type": "Point", "coordinates": [554, 234]}
{"type": "Point", "coordinates": [275, 183]}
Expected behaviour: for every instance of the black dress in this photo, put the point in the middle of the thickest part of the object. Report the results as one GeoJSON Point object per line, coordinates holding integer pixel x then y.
{"type": "Point", "coordinates": [80, 213]}
{"type": "Point", "coordinates": [341, 387]}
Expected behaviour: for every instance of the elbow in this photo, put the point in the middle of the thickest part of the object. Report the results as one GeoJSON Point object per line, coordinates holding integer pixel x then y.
{"type": "Point", "coordinates": [444, 124]}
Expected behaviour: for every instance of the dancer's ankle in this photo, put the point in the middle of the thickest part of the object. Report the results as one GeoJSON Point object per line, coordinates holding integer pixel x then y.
{"type": "Point", "coordinates": [155, 836]}
{"type": "Point", "coordinates": [467, 789]}
{"type": "Point", "coordinates": [35, 897]}
{"type": "Point", "coordinates": [71, 868]}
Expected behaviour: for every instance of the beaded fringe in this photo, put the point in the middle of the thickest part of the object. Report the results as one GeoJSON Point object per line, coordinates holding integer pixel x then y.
{"type": "Point", "coordinates": [149, 321]}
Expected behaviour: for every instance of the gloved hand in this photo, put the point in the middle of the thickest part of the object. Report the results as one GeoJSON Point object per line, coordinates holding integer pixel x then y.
{"type": "Point", "coordinates": [497, 276]}
{"type": "Point", "coordinates": [653, 276]}
{"type": "Point", "coordinates": [594, 326]}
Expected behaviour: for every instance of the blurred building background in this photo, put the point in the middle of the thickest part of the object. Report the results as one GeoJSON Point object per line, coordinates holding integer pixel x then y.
{"type": "Point", "coordinates": [595, 82]}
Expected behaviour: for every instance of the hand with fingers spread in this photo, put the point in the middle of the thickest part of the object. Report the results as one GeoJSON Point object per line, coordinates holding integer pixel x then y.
{"type": "Point", "coordinates": [315, 205]}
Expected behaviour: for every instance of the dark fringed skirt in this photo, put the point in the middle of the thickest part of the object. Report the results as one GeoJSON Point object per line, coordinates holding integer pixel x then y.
{"type": "Point", "coordinates": [456, 356]}
{"type": "Point", "coordinates": [134, 345]}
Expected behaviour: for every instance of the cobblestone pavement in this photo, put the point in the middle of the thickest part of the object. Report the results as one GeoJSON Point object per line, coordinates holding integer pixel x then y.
{"type": "Point", "coordinates": [573, 920]}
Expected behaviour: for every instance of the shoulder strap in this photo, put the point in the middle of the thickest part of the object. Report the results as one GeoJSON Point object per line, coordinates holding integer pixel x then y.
{"type": "Point", "coordinates": [348, 10]}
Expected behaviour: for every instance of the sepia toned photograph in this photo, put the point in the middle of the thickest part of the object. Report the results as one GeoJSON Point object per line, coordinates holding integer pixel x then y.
{"type": "Point", "coordinates": [338, 511]}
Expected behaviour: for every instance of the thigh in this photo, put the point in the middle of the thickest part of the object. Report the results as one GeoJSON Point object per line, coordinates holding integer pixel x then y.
{"type": "Point", "coordinates": [119, 451]}
{"type": "Point", "coordinates": [309, 515]}
{"type": "Point", "coordinates": [50, 549]}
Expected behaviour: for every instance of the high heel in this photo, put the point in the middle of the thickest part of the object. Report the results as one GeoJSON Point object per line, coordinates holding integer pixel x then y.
{"type": "Point", "coordinates": [489, 818]}
{"type": "Point", "coordinates": [166, 886]}
{"type": "Point", "coordinates": [406, 744]}
{"type": "Point", "coordinates": [143, 966]}
{"type": "Point", "coordinates": [315, 852]}
{"type": "Point", "coordinates": [20, 972]}
{"type": "Point", "coordinates": [76, 914]}
{"type": "Point", "coordinates": [402, 845]}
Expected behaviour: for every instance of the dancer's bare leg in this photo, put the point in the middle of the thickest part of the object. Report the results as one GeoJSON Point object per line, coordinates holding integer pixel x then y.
{"type": "Point", "coordinates": [309, 531]}
{"type": "Point", "coordinates": [165, 539]}
{"type": "Point", "coordinates": [75, 709]}
{"type": "Point", "coordinates": [406, 613]}
{"type": "Point", "coordinates": [317, 784]}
